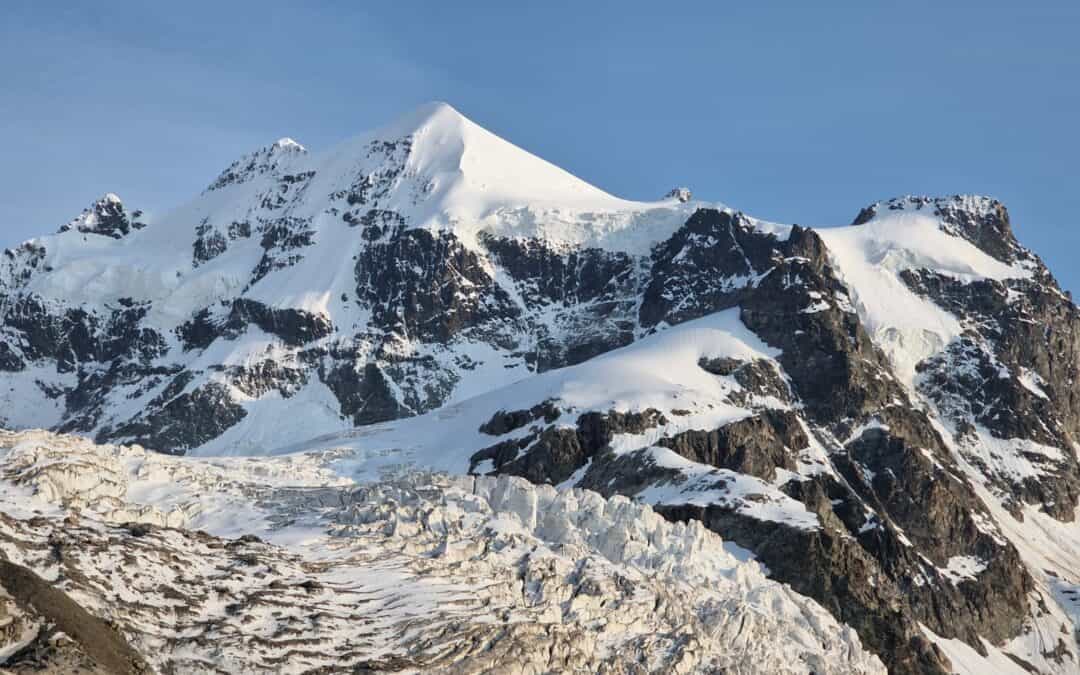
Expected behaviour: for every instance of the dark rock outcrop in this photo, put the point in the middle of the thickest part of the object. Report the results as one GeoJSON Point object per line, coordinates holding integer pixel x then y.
{"type": "Point", "coordinates": [592, 294]}
{"type": "Point", "coordinates": [365, 396]}
{"type": "Point", "coordinates": [755, 445]}
{"type": "Point", "coordinates": [1015, 372]}
{"type": "Point", "coordinates": [295, 327]}
{"type": "Point", "coordinates": [428, 287]}
{"type": "Point", "coordinates": [181, 422]}
{"type": "Point", "coordinates": [833, 569]}
{"type": "Point", "coordinates": [107, 217]}
{"type": "Point", "coordinates": [71, 639]}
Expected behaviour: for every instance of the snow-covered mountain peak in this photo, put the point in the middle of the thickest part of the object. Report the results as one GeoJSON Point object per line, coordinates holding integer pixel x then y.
{"type": "Point", "coordinates": [107, 216]}
{"type": "Point", "coordinates": [430, 113]}
{"type": "Point", "coordinates": [473, 181]}
{"type": "Point", "coordinates": [435, 169]}
{"type": "Point", "coordinates": [680, 194]}
{"type": "Point", "coordinates": [268, 160]}
{"type": "Point", "coordinates": [474, 165]}
{"type": "Point", "coordinates": [288, 145]}
{"type": "Point", "coordinates": [983, 221]}
{"type": "Point", "coordinates": [974, 205]}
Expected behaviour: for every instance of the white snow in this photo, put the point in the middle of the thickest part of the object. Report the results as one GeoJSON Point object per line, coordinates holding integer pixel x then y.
{"type": "Point", "coordinates": [964, 567]}
{"type": "Point", "coordinates": [659, 371]}
{"type": "Point", "coordinates": [966, 661]}
{"type": "Point", "coordinates": [869, 259]}
{"type": "Point", "coordinates": [1033, 382]}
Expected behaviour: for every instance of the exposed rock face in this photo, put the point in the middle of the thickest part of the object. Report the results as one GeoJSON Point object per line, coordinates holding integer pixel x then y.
{"type": "Point", "coordinates": [429, 288]}
{"type": "Point", "coordinates": [107, 217]}
{"type": "Point", "coordinates": [366, 396]}
{"type": "Point", "coordinates": [753, 445]}
{"type": "Point", "coordinates": [708, 265]}
{"type": "Point", "coordinates": [72, 336]}
{"type": "Point", "coordinates": [294, 327]}
{"type": "Point", "coordinates": [577, 303]}
{"type": "Point", "coordinates": [44, 630]}
{"type": "Point", "coordinates": [554, 453]}
{"type": "Point", "coordinates": [186, 420]}
{"type": "Point", "coordinates": [1013, 373]}
{"type": "Point", "coordinates": [681, 194]}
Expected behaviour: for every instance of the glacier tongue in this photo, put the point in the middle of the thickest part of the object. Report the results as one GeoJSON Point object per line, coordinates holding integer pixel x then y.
{"type": "Point", "coordinates": [419, 572]}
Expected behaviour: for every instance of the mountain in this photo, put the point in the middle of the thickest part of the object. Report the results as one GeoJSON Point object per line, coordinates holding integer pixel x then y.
{"type": "Point", "coordinates": [405, 269]}
{"type": "Point", "coordinates": [884, 415]}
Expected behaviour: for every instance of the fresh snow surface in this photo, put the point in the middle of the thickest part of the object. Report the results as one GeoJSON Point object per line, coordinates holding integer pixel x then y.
{"type": "Point", "coordinates": [659, 371]}
{"type": "Point", "coordinates": [966, 661]}
{"type": "Point", "coordinates": [869, 259]}
{"type": "Point", "coordinates": [480, 182]}
{"type": "Point", "coordinates": [444, 572]}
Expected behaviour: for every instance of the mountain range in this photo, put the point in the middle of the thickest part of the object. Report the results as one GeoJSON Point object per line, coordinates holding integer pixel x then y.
{"type": "Point", "coordinates": [430, 353]}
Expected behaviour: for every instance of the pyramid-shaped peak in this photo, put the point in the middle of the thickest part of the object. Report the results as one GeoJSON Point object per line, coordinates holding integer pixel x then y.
{"type": "Point", "coordinates": [433, 114]}
{"type": "Point", "coordinates": [471, 166]}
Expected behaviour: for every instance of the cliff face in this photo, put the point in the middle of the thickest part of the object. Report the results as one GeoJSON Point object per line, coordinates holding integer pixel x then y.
{"type": "Point", "coordinates": [885, 414]}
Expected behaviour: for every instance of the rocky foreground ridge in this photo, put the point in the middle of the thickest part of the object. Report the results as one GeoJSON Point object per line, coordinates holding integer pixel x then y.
{"type": "Point", "coordinates": [884, 415]}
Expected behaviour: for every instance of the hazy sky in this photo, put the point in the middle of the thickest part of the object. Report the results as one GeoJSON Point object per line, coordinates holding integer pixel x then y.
{"type": "Point", "coordinates": [791, 111]}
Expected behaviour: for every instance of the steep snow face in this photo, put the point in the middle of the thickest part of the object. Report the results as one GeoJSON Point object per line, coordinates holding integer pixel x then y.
{"type": "Point", "coordinates": [419, 573]}
{"type": "Point", "coordinates": [477, 182]}
{"type": "Point", "coordinates": [450, 173]}
{"type": "Point", "coordinates": [871, 259]}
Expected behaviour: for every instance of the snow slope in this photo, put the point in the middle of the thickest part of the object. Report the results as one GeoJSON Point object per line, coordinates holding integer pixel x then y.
{"type": "Point", "coordinates": [870, 258]}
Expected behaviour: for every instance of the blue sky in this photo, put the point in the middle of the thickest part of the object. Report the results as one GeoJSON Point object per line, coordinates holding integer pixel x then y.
{"type": "Point", "coordinates": [791, 111]}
